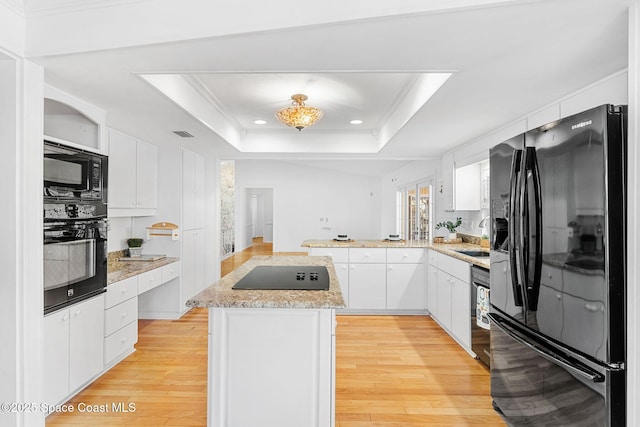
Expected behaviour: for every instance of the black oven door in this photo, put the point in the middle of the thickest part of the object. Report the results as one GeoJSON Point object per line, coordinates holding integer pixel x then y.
{"type": "Point", "coordinates": [75, 262]}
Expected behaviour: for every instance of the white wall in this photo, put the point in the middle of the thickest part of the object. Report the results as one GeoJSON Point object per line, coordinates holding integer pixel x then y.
{"type": "Point", "coordinates": [12, 29]}
{"type": "Point", "coordinates": [304, 195]}
{"type": "Point", "coordinates": [21, 292]}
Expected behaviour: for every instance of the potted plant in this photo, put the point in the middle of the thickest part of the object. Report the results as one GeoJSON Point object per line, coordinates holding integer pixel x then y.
{"type": "Point", "coordinates": [135, 246]}
{"type": "Point", "coordinates": [484, 241]}
{"type": "Point", "coordinates": [451, 226]}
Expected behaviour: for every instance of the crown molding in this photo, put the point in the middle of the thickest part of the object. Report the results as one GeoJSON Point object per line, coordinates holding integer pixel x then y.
{"type": "Point", "coordinates": [15, 5]}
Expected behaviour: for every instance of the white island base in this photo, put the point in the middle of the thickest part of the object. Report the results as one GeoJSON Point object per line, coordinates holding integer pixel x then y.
{"type": "Point", "coordinates": [271, 367]}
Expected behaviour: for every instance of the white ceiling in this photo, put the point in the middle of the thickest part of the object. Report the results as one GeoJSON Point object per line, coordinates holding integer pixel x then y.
{"type": "Point", "coordinates": [507, 60]}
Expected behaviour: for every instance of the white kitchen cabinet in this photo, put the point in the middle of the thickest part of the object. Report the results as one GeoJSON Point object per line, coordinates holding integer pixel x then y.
{"type": "Point", "coordinates": [340, 258]}
{"type": "Point", "coordinates": [453, 294]}
{"type": "Point", "coordinates": [367, 286]}
{"type": "Point", "coordinates": [193, 272]}
{"type": "Point", "coordinates": [74, 348]}
{"type": "Point", "coordinates": [461, 311]}
{"type": "Point", "coordinates": [120, 320]}
{"type": "Point", "coordinates": [467, 188]}
{"type": "Point", "coordinates": [278, 362]}
{"type": "Point", "coordinates": [193, 195]}
{"type": "Point", "coordinates": [445, 289]}
{"type": "Point", "coordinates": [406, 285]}
{"type": "Point", "coordinates": [367, 278]}
{"type": "Point", "coordinates": [133, 176]}
{"type": "Point", "coordinates": [56, 362]}
{"type": "Point", "coordinates": [447, 190]}
{"type": "Point", "coordinates": [432, 283]}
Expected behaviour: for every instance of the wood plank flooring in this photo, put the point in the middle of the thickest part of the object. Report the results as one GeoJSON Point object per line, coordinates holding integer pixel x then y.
{"type": "Point", "coordinates": [392, 371]}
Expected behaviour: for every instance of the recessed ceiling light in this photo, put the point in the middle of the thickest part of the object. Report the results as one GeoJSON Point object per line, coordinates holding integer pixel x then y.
{"type": "Point", "coordinates": [356, 122]}
{"type": "Point", "coordinates": [260, 122]}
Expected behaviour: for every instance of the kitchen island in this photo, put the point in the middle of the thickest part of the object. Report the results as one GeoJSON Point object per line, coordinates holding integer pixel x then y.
{"type": "Point", "coordinates": [271, 352]}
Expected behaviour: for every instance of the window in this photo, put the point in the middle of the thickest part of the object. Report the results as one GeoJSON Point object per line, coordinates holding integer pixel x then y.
{"type": "Point", "coordinates": [414, 211]}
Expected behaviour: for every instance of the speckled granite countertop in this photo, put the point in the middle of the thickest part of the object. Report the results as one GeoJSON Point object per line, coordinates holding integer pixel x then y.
{"type": "Point", "coordinates": [445, 248]}
{"type": "Point", "coordinates": [365, 244]}
{"type": "Point", "coordinates": [120, 270]}
{"type": "Point", "coordinates": [451, 248]}
{"type": "Point", "coordinates": [220, 293]}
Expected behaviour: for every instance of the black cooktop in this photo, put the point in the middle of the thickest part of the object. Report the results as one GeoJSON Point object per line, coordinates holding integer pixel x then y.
{"type": "Point", "coordinates": [279, 277]}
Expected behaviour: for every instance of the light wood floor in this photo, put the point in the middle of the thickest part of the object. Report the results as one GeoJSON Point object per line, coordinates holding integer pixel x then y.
{"type": "Point", "coordinates": [392, 371]}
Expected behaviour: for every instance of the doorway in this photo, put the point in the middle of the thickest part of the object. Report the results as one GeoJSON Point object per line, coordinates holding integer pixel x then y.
{"type": "Point", "coordinates": [258, 217]}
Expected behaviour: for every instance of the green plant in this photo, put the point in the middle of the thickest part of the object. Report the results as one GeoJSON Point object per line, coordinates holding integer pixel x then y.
{"type": "Point", "coordinates": [135, 242]}
{"type": "Point", "coordinates": [449, 225]}
{"type": "Point", "coordinates": [484, 236]}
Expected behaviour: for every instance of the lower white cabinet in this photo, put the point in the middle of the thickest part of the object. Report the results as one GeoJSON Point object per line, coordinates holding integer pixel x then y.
{"type": "Point", "coordinates": [121, 318]}
{"type": "Point", "coordinates": [432, 283]}
{"type": "Point", "coordinates": [379, 279]}
{"type": "Point", "coordinates": [449, 293]}
{"type": "Point", "coordinates": [367, 286]}
{"type": "Point", "coordinates": [405, 287]}
{"type": "Point", "coordinates": [73, 343]}
{"type": "Point", "coordinates": [271, 367]}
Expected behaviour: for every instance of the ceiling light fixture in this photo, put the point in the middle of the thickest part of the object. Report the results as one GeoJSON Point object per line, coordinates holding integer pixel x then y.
{"type": "Point", "coordinates": [299, 115]}
{"type": "Point", "coordinates": [260, 122]}
{"type": "Point", "coordinates": [356, 122]}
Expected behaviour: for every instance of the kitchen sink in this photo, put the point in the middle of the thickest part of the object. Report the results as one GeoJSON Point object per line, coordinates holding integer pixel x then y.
{"type": "Point", "coordinates": [477, 254]}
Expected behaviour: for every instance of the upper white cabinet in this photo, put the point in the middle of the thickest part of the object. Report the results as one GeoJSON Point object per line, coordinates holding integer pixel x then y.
{"type": "Point", "coordinates": [448, 181]}
{"type": "Point", "coordinates": [133, 176]}
{"type": "Point", "coordinates": [467, 188]}
{"type": "Point", "coordinates": [71, 121]}
{"type": "Point", "coordinates": [193, 195]}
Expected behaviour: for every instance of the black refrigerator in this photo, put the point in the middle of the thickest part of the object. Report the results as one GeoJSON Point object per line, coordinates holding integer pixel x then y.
{"type": "Point", "coordinates": [558, 304]}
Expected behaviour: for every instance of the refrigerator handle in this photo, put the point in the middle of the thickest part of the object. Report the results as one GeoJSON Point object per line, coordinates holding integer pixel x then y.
{"type": "Point", "coordinates": [569, 363]}
{"type": "Point", "coordinates": [533, 288]}
{"type": "Point", "coordinates": [513, 209]}
{"type": "Point", "coordinates": [522, 253]}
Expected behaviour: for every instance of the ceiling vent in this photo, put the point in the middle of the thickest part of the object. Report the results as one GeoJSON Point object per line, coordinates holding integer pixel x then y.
{"type": "Point", "coordinates": [183, 133]}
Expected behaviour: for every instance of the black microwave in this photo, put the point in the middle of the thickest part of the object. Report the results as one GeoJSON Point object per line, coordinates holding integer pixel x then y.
{"type": "Point", "coordinates": [73, 173]}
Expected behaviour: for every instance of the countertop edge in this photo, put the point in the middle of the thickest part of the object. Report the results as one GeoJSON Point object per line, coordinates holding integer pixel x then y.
{"type": "Point", "coordinates": [134, 268]}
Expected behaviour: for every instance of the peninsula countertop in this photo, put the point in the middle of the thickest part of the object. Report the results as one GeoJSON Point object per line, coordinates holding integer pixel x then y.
{"type": "Point", "coordinates": [445, 248]}
{"type": "Point", "coordinates": [221, 294]}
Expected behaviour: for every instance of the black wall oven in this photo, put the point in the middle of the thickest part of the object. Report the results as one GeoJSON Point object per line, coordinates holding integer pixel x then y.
{"type": "Point", "coordinates": [75, 225]}
{"type": "Point", "coordinates": [75, 253]}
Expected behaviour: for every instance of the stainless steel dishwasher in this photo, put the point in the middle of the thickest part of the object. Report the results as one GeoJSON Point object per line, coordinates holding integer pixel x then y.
{"type": "Point", "coordinates": [480, 335]}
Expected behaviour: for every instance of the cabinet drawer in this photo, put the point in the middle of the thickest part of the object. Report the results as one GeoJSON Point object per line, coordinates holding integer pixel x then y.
{"type": "Point", "coordinates": [337, 254]}
{"type": "Point", "coordinates": [170, 271]}
{"type": "Point", "coordinates": [149, 280]}
{"type": "Point", "coordinates": [367, 255]}
{"type": "Point", "coordinates": [120, 315]}
{"type": "Point", "coordinates": [121, 291]}
{"type": "Point", "coordinates": [120, 341]}
{"type": "Point", "coordinates": [454, 267]}
{"type": "Point", "coordinates": [408, 255]}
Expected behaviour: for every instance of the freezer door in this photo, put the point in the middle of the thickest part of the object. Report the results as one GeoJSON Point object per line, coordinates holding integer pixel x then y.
{"type": "Point", "coordinates": [542, 386]}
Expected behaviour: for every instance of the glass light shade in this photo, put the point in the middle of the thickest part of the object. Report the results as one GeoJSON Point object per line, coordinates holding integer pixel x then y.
{"type": "Point", "coordinates": [299, 115]}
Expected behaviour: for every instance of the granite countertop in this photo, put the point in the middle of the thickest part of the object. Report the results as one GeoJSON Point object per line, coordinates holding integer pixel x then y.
{"type": "Point", "coordinates": [451, 248]}
{"type": "Point", "coordinates": [445, 248]}
{"type": "Point", "coordinates": [121, 270]}
{"type": "Point", "coordinates": [220, 293]}
{"type": "Point", "coordinates": [365, 244]}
